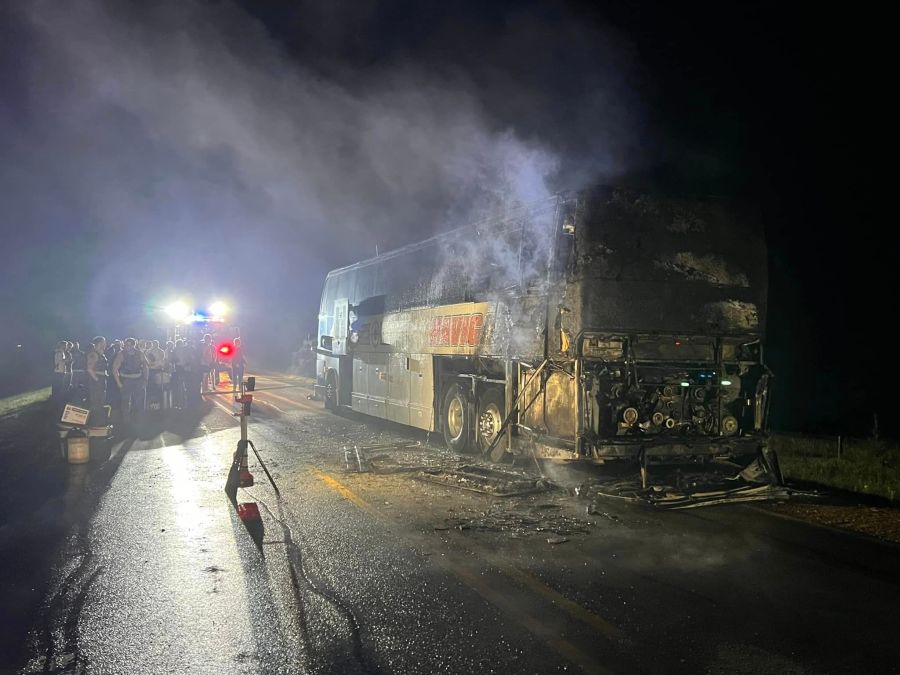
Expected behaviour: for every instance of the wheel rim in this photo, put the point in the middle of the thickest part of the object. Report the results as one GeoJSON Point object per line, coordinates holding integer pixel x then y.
{"type": "Point", "coordinates": [489, 423]}
{"type": "Point", "coordinates": [455, 418]}
{"type": "Point", "coordinates": [329, 389]}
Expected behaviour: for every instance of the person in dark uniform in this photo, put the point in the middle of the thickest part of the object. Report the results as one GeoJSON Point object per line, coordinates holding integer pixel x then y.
{"type": "Point", "coordinates": [96, 365]}
{"type": "Point", "coordinates": [130, 372]}
{"type": "Point", "coordinates": [237, 364]}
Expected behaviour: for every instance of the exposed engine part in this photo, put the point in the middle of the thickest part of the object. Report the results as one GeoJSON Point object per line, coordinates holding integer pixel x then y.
{"type": "Point", "coordinates": [670, 398]}
{"type": "Point", "coordinates": [729, 425]}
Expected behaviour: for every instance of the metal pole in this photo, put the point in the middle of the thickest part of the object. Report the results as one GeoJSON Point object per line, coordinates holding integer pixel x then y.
{"type": "Point", "coordinates": [263, 465]}
{"type": "Point", "coordinates": [579, 404]}
{"type": "Point", "coordinates": [509, 395]}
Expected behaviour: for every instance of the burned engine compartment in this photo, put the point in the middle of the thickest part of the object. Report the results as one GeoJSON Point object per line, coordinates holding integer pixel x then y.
{"type": "Point", "coordinates": [672, 387]}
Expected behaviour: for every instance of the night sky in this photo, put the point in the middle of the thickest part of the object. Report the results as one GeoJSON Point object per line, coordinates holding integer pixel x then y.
{"type": "Point", "coordinates": [241, 149]}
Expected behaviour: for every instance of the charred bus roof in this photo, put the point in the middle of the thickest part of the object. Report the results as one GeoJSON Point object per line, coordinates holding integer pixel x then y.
{"type": "Point", "coordinates": [632, 262]}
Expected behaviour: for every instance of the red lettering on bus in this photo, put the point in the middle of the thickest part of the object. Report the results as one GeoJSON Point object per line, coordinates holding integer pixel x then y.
{"type": "Point", "coordinates": [461, 330]}
{"type": "Point", "coordinates": [436, 331]}
{"type": "Point", "coordinates": [475, 326]}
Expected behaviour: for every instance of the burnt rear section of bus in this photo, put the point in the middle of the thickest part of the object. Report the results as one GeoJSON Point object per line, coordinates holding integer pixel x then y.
{"type": "Point", "coordinates": [663, 311]}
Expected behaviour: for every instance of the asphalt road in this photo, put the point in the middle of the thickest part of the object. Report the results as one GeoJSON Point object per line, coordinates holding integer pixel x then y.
{"type": "Point", "coordinates": [378, 571]}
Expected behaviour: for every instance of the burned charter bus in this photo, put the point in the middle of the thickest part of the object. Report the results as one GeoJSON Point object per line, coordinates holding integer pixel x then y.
{"type": "Point", "coordinates": [604, 324]}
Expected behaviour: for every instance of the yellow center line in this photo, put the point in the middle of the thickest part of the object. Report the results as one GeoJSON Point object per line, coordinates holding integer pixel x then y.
{"type": "Point", "coordinates": [347, 494]}
{"type": "Point", "coordinates": [492, 595]}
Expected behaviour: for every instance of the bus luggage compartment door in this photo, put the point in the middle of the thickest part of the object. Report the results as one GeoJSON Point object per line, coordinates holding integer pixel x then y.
{"type": "Point", "coordinates": [398, 389]}
{"type": "Point", "coordinates": [360, 386]}
{"type": "Point", "coordinates": [376, 382]}
{"type": "Point", "coordinates": [421, 391]}
{"type": "Point", "coordinates": [345, 383]}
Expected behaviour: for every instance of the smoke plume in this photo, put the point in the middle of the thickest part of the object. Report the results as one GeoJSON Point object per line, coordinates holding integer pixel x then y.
{"type": "Point", "coordinates": [162, 149]}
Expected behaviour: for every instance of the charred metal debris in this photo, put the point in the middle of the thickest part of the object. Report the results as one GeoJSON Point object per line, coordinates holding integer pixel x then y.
{"type": "Point", "coordinates": [491, 481]}
{"type": "Point", "coordinates": [691, 487]}
{"type": "Point", "coordinates": [674, 486]}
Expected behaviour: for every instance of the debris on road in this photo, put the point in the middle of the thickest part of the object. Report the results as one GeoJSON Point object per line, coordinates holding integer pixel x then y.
{"type": "Point", "coordinates": [684, 492]}
{"type": "Point", "coordinates": [401, 457]}
{"type": "Point", "coordinates": [496, 482]}
{"type": "Point", "coordinates": [518, 520]}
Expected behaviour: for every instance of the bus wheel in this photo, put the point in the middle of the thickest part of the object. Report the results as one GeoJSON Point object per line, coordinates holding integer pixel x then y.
{"type": "Point", "coordinates": [456, 419]}
{"type": "Point", "coordinates": [490, 419]}
{"type": "Point", "coordinates": [330, 391]}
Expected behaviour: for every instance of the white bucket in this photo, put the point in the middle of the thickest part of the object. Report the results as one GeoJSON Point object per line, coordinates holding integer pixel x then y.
{"type": "Point", "coordinates": [79, 449]}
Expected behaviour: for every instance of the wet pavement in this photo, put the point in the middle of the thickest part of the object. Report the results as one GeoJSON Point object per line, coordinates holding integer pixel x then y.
{"type": "Point", "coordinates": [368, 565]}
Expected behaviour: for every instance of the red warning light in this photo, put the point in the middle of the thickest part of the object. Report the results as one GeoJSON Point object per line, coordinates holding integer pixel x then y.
{"type": "Point", "coordinates": [226, 349]}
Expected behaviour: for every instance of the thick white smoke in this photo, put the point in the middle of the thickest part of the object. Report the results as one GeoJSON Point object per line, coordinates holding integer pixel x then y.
{"type": "Point", "coordinates": [169, 117]}
{"type": "Point", "coordinates": [178, 142]}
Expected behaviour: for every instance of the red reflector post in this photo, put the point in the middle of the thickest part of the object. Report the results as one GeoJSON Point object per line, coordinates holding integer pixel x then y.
{"type": "Point", "coordinates": [248, 511]}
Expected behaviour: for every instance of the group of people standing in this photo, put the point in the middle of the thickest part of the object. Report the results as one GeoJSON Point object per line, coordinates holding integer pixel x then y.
{"type": "Point", "coordinates": [126, 373]}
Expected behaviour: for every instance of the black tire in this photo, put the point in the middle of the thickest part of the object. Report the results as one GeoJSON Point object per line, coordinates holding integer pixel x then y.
{"type": "Point", "coordinates": [457, 414]}
{"type": "Point", "coordinates": [491, 413]}
{"type": "Point", "coordinates": [331, 391]}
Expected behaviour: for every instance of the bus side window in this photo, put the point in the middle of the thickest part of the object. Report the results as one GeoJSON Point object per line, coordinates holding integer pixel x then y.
{"type": "Point", "coordinates": [328, 296]}
{"type": "Point", "coordinates": [365, 284]}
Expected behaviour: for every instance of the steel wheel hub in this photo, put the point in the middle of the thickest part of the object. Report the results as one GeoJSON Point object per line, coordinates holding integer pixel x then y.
{"type": "Point", "coordinates": [489, 423]}
{"type": "Point", "coordinates": [455, 418]}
